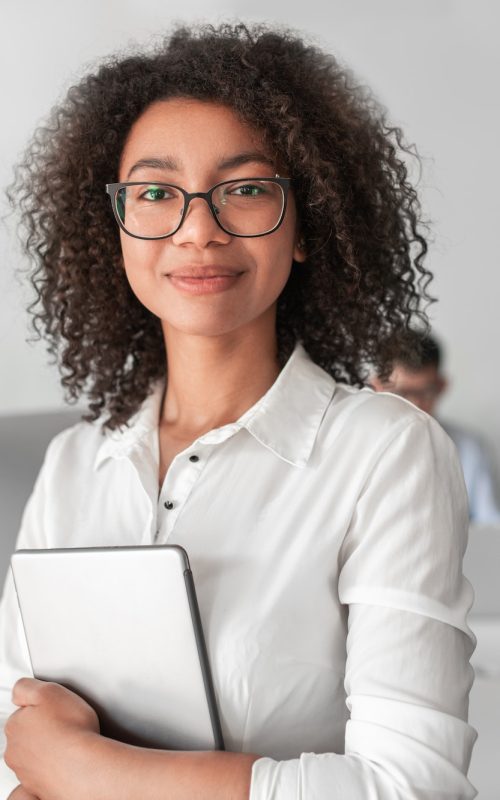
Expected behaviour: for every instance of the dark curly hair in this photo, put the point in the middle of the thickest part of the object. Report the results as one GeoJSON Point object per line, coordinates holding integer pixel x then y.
{"type": "Point", "coordinates": [363, 280]}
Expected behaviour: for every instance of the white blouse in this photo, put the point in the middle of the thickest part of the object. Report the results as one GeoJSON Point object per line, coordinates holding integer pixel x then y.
{"type": "Point", "coordinates": [325, 529]}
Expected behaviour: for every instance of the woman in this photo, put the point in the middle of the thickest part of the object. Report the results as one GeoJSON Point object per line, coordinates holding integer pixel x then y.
{"type": "Point", "coordinates": [267, 237]}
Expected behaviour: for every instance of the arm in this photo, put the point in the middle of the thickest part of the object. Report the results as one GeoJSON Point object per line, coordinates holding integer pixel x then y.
{"type": "Point", "coordinates": [42, 739]}
{"type": "Point", "coordinates": [14, 663]}
{"type": "Point", "coordinates": [160, 775]}
{"type": "Point", "coordinates": [55, 748]}
{"type": "Point", "coordinates": [14, 655]}
{"type": "Point", "coordinates": [407, 674]}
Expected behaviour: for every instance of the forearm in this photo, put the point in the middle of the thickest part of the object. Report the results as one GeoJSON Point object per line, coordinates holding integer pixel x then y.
{"type": "Point", "coordinates": [122, 772]}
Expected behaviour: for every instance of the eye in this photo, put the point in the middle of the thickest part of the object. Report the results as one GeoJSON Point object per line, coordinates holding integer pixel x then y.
{"type": "Point", "coordinates": [155, 193]}
{"type": "Point", "coordinates": [239, 193]}
{"type": "Point", "coordinates": [247, 190]}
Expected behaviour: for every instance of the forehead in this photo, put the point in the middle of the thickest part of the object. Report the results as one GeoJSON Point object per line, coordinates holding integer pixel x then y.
{"type": "Point", "coordinates": [189, 131]}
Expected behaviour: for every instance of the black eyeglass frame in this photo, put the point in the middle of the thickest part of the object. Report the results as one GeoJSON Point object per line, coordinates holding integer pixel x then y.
{"type": "Point", "coordinates": [113, 188]}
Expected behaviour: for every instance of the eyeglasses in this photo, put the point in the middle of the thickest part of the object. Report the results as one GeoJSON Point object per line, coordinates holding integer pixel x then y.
{"type": "Point", "coordinates": [423, 395]}
{"type": "Point", "coordinates": [245, 207]}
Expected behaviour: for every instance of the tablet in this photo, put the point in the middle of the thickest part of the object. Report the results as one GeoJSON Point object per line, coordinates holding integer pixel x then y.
{"type": "Point", "coordinates": [120, 626]}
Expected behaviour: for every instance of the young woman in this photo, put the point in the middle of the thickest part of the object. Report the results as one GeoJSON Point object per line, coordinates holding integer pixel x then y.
{"type": "Point", "coordinates": [267, 240]}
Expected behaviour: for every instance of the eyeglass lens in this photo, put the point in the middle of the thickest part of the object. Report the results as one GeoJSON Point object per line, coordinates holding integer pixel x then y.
{"type": "Point", "coordinates": [242, 207]}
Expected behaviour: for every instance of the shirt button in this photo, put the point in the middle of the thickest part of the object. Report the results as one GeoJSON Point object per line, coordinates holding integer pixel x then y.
{"type": "Point", "coordinates": [194, 458]}
{"type": "Point", "coordinates": [168, 505]}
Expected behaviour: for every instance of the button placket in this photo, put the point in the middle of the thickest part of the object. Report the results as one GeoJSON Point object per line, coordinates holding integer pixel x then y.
{"type": "Point", "coordinates": [181, 477]}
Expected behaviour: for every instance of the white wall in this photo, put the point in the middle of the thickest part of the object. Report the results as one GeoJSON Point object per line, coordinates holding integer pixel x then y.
{"type": "Point", "coordinates": [434, 64]}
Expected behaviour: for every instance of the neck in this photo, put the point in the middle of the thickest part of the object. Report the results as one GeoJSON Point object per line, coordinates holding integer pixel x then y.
{"type": "Point", "coordinates": [213, 380]}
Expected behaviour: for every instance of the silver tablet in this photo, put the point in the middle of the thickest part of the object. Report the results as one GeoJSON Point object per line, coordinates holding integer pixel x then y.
{"type": "Point", "coordinates": [120, 626]}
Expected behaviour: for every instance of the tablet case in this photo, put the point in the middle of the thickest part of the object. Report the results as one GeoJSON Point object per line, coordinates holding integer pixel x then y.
{"type": "Point", "coordinates": [121, 627]}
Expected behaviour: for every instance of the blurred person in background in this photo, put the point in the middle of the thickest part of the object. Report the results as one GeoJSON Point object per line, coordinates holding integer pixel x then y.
{"type": "Point", "coordinates": [417, 375]}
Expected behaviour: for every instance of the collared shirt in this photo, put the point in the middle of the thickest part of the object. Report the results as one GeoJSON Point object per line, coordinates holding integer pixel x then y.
{"type": "Point", "coordinates": [325, 530]}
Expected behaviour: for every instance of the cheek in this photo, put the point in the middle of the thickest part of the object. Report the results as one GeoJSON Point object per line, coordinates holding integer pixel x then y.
{"type": "Point", "coordinates": [140, 259]}
{"type": "Point", "coordinates": [280, 269]}
{"type": "Point", "coordinates": [278, 258]}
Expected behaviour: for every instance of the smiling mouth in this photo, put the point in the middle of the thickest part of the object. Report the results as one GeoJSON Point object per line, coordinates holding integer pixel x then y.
{"type": "Point", "coordinates": [203, 273]}
{"type": "Point", "coordinates": [207, 281]}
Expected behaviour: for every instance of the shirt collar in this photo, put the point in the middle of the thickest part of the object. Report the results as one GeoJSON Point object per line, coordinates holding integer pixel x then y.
{"type": "Point", "coordinates": [286, 419]}
{"type": "Point", "coordinates": [120, 442]}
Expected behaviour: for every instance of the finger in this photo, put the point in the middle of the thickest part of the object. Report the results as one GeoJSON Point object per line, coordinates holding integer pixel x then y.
{"type": "Point", "coordinates": [20, 793]}
{"type": "Point", "coordinates": [11, 722]}
{"type": "Point", "coordinates": [26, 692]}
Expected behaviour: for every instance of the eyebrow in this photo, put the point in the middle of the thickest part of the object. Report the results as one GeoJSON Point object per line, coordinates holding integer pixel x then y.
{"type": "Point", "coordinates": [155, 163]}
{"type": "Point", "coordinates": [248, 157]}
{"type": "Point", "coordinates": [231, 162]}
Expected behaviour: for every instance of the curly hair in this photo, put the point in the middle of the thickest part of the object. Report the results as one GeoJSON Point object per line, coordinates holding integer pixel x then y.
{"type": "Point", "coordinates": [363, 280]}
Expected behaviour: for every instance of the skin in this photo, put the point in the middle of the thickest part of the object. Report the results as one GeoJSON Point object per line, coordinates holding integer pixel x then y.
{"type": "Point", "coordinates": [221, 346]}
{"type": "Point", "coordinates": [222, 357]}
{"type": "Point", "coordinates": [422, 387]}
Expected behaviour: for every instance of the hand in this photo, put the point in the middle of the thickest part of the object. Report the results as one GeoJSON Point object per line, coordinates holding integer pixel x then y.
{"type": "Point", "coordinates": [20, 793]}
{"type": "Point", "coordinates": [47, 738]}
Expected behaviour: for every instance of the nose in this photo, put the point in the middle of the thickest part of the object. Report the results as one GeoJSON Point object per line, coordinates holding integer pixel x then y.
{"type": "Point", "coordinates": [199, 227]}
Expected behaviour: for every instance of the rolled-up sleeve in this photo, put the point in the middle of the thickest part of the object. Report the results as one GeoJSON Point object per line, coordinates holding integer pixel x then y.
{"type": "Point", "coordinates": [408, 676]}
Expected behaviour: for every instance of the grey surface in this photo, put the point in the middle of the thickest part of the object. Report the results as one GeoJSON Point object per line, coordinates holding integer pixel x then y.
{"type": "Point", "coordinates": [484, 716]}
{"type": "Point", "coordinates": [481, 566]}
{"type": "Point", "coordinates": [129, 646]}
{"type": "Point", "coordinates": [23, 441]}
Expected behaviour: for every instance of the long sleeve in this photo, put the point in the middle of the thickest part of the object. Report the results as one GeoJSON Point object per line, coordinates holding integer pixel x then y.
{"type": "Point", "coordinates": [408, 646]}
{"type": "Point", "coordinates": [14, 655]}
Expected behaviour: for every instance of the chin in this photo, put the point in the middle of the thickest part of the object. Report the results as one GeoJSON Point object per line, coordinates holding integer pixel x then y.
{"type": "Point", "coordinates": [207, 327]}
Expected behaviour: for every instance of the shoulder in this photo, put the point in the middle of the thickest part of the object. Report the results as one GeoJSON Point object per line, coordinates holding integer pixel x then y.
{"type": "Point", "coordinates": [62, 488]}
{"type": "Point", "coordinates": [364, 434]}
{"type": "Point", "coordinates": [355, 425]}
{"type": "Point", "coordinates": [76, 446]}
{"type": "Point", "coordinates": [86, 444]}
{"type": "Point", "coordinates": [342, 415]}
{"type": "Point", "coordinates": [85, 436]}
{"type": "Point", "coordinates": [376, 419]}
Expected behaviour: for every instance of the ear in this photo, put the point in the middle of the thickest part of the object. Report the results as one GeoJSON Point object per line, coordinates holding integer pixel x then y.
{"type": "Point", "coordinates": [299, 251]}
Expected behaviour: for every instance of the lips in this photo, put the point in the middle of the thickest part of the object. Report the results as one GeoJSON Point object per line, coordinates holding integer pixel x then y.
{"type": "Point", "coordinates": [196, 280]}
{"type": "Point", "coordinates": [202, 273]}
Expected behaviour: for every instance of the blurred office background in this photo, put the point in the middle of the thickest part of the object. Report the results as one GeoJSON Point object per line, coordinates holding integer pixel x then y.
{"type": "Point", "coordinates": [435, 66]}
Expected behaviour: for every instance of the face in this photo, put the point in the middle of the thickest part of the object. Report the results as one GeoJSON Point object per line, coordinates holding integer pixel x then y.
{"type": "Point", "coordinates": [201, 280]}
{"type": "Point", "coordinates": [422, 387]}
